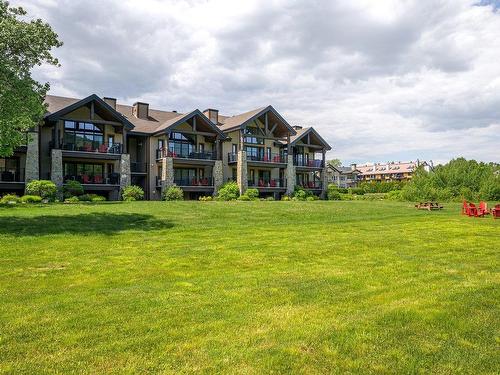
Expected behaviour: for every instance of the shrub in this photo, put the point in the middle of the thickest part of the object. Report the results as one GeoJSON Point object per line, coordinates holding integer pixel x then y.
{"type": "Point", "coordinates": [252, 193]}
{"type": "Point", "coordinates": [229, 192]}
{"type": "Point", "coordinates": [9, 200]}
{"type": "Point", "coordinates": [85, 198]}
{"type": "Point", "coordinates": [207, 198]}
{"type": "Point", "coordinates": [395, 195]}
{"type": "Point", "coordinates": [269, 199]}
{"type": "Point", "coordinates": [43, 188]}
{"type": "Point", "coordinates": [346, 197]}
{"type": "Point", "coordinates": [72, 200]}
{"type": "Point", "coordinates": [333, 193]}
{"type": "Point", "coordinates": [31, 199]}
{"type": "Point", "coordinates": [173, 193]}
{"type": "Point", "coordinates": [356, 191]}
{"type": "Point", "coordinates": [132, 193]}
{"type": "Point", "coordinates": [343, 190]}
{"type": "Point", "coordinates": [300, 194]}
{"type": "Point", "coordinates": [98, 198]}
{"type": "Point", "coordinates": [285, 198]}
{"type": "Point", "coordinates": [72, 188]}
{"type": "Point", "coordinates": [244, 197]}
{"type": "Point", "coordinates": [310, 198]}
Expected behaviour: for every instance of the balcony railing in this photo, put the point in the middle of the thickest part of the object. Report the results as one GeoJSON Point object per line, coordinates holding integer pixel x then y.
{"type": "Point", "coordinates": [315, 163]}
{"type": "Point", "coordinates": [311, 185]}
{"type": "Point", "coordinates": [99, 179]}
{"type": "Point", "coordinates": [273, 183]}
{"type": "Point", "coordinates": [204, 181]}
{"type": "Point", "coordinates": [205, 155]}
{"type": "Point", "coordinates": [11, 175]}
{"type": "Point", "coordinates": [273, 158]}
{"type": "Point", "coordinates": [138, 167]}
{"type": "Point", "coordinates": [91, 146]}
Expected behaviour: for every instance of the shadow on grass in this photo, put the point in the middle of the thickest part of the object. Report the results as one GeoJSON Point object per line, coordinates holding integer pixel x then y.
{"type": "Point", "coordinates": [92, 223]}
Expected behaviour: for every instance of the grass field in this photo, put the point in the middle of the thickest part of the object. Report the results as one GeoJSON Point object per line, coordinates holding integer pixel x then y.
{"type": "Point", "coordinates": [248, 287]}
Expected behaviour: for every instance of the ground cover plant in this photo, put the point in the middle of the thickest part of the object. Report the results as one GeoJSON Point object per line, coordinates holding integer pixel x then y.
{"type": "Point", "coordinates": [248, 287]}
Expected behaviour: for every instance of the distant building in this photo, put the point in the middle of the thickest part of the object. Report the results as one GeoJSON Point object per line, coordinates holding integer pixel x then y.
{"type": "Point", "coordinates": [390, 171]}
{"type": "Point", "coordinates": [343, 177]}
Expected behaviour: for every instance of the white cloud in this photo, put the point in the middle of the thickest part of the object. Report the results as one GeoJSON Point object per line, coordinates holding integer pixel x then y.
{"type": "Point", "coordinates": [380, 80]}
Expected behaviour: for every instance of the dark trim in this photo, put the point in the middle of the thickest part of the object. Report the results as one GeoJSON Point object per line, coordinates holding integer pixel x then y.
{"type": "Point", "coordinates": [308, 131]}
{"type": "Point", "coordinates": [265, 110]}
{"type": "Point", "coordinates": [189, 116]}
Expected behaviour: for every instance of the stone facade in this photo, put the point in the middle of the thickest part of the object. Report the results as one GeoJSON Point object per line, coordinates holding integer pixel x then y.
{"type": "Point", "coordinates": [324, 179]}
{"type": "Point", "coordinates": [32, 166]}
{"type": "Point", "coordinates": [56, 168]}
{"type": "Point", "coordinates": [290, 176]}
{"type": "Point", "coordinates": [218, 175]}
{"type": "Point", "coordinates": [241, 172]}
{"type": "Point", "coordinates": [124, 170]}
{"type": "Point", "coordinates": [167, 172]}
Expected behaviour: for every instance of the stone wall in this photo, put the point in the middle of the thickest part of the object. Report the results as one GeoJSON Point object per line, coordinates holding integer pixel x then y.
{"type": "Point", "coordinates": [56, 168]}
{"type": "Point", "coordinates": [290, 176]}
{"type": "Point", "coordinates": [241, 172]}
{"type": "Point", "coordinates": [124, 170]}
{"type": "Point", "coordinates": [218, 175]}
{"type": "Point", "coordinates": [324, 178]}
{"type": "Point", "coordinates": [32, 162]}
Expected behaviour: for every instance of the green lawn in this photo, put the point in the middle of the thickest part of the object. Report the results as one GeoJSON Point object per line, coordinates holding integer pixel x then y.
{"type": "Point", "coordinates": [248, 287]}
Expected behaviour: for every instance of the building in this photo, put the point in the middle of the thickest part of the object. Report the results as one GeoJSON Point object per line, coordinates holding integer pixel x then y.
{"type": "Point", "coordinates": [390, 171]}
{"type": "Point", "coordinates": [107, 146]}
{"type": "Point", "coordinates": [343, 177]}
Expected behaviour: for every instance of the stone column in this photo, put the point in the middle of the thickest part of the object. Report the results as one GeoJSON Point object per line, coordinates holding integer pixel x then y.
{"type": "Point", "coordinates": [167, 173]}
{"type": "Point", "coordinates": [218, 175]}
{"type": "Point", "coordinates": [241, 171]}
{"type": "Point", "coordinates": [56, 168]}
{"type": "Point", "coordinates": [32, 163]}
{"type": "Point", "coordinates": [290, 175]}
{"type": "Point", "coordinates": [124, 170]}
{"type": "Point", "coordinates": [324, 179]}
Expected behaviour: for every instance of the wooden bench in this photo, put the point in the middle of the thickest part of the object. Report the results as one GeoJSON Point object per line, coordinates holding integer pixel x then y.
{"type": "Point", "coordinates": [429, 206]}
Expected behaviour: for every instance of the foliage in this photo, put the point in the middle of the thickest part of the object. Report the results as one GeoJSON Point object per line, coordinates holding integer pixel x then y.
{"type": "Point", "coordinates": [173, 193]}
{"type": "Point", "coordinates": [73, 199]}
{"type": "Point", "coordinates": [228, 192]}
{"type": "Point", "coordinates": [269, 199]}
{"type": "Point", "coordinates": [43, 188]}
{"type": "Point", "coordinates": [132, 193]}
{"type": "Point", "coordinates": [252, 193]}
{"type": "Point", "coordinates": [285, 198]}
{"type": "Point", "coordinates": [333, 193]}
{"type": "Point", "coordinates": [300, 194]}
{"type": "Point", "coordinates": [459, 179]}
{"type": "Point", "coordinates": [395, 195]}
{"type": "Point", "coordinates": [380, 186]}
{"type": "Point", "coordinates": [72, 188]}
{"type": "Point", "coordinates": [244, 197]}
{"type": "Point", "coordinates": [207, 198]}
{"type": "Point", "coordinates": [31, 199]}
{"type": "Point", "coordinates": [9, 200]}
{"type": "Point", "coordinates": [24, 44]}
{"type": "Point", "coordinates": [356, 191]}
{"type": "Point", "coordinates": [334, 163]}
{"type": "Point", "coordinates": [85, 198]}
{"type": "Point", "coordinates": [97, 198]}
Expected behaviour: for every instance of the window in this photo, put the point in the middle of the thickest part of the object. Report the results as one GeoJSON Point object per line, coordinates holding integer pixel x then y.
{"type": "Point", "coordinates": [234, 148]}
{"type": "Point", "coordinates": [82, 136]}
{"type": "Point", "coordinates": [201, 147]}
{"type": "Point", "coordinates": [254, 153]}
{"type": "Point", "coordinates": [182, 145]}
{"type": "Point", "coordinates": [265, 176]}
{"type": "Point", "coordinates": [253, 140]}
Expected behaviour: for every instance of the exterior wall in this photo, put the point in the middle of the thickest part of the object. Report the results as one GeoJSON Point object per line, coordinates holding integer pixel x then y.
{"type": "Point", "coordinates": [32, 155]}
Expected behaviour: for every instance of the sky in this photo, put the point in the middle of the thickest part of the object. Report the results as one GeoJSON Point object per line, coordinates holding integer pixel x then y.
{"type": "Point", "coordinates": [383, 80]}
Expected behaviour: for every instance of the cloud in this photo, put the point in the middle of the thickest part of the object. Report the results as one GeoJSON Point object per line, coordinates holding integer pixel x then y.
{"type": "Point", "coordinates": [380, 80]}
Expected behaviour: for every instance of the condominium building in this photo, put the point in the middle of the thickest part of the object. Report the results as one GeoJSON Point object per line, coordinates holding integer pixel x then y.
{"type": "Point", "coordinates": [343, 177]}
{"type": "Point", "coordinates": [390, 171]}
{"type": "Point", "coordinates": [107, 146]}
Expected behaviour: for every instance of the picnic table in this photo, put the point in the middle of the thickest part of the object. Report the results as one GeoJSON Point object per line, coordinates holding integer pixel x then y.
{"type": "Point", "coordinates": [429, 206]}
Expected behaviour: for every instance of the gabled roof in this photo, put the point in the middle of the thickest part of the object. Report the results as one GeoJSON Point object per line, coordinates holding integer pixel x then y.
{"type": "Point", "coordinates": [239, 121]}
{"type": "Point", "coordinates": [175, 121]}
{"type": "Point", "coordinates": [344, 170]}
{"type": "Point", "coordinates": [301, 133]}
{"type": "Point", "coordinates": [59, 106]}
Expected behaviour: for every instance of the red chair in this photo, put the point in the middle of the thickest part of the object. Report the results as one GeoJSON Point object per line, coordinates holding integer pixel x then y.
{"type": "Point", "coordinates": [495, 213]}
{"type": "Point", "coordinates": [194, 182]}
{"type": "Point", "coordinates": [98, 179]}
{"type": "Point", "coordinates": [204, 182]}
{"type": "Point", "coordinates": [261, 183]}
{"type": "Point", "coordinates": [103, 148]}
{"type": "Point", "coordinates": [86, 179]}
{"type": "Point", "coordinates": [473, 211]}
{"type": "Point", "coordinates": [465, 208]}
{"type": "Point", "coordinates": [277, 159]}
{"type": "Point", "coordinates": [273, 183]}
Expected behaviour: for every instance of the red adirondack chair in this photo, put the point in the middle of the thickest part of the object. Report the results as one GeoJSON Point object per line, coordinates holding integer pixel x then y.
{"type": "Point", "coordinates": [86, 179]}
{"type": "Point", "coordinates": [87, 147]}
{"type": "Point", "coordinates": [465, 208]}
{"type": "Point", "coordinates": [495, 213]}
{"type": "Point", "coordinates": [473, 211]}
{"type": "Point", "coordinates": [103, 148]}
{"type": "Point", "coordinates": [483, 208]}
{"type": "Point", "coordinates": [97, 179]}
{"type": "Point", "coordinates": [273, 183]}
{"type": "Point", "coordinates": [261, 183]}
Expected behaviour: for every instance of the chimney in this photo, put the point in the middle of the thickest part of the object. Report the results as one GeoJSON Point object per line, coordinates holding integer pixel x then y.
{"type": "Point", "coordinates": [212, 114]}
{"type": "Point", "coordinates": [297, 127]}
{"type": "Point", "coordinates": [110, 101]}
{"type": "Point", "coordinates": [353, 166]}
{"type": "Point", "coordinates": [141, 110]}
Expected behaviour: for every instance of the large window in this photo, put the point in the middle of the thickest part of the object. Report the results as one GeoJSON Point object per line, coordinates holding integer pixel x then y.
{"type": "Point", "coordinates": [254, 153]}
{"type": "Point", "coordinates": [82, 136]}
{"type": "Point", "coordinates": [181, 145]}
{"type": "Point", "coordinates": [88, 173]}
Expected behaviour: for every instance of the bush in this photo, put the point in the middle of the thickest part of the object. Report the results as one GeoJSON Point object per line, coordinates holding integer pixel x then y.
{"type": "Point", "coordinates": [229, 192]}
{"type": "Point", "coordinates": [9, 200]}
{"type": "Point", "coordinates": [269, 199]}
{"type": "Point", "coordinates": [285, 198]}
{"type": "Point", "coordinates": [356, 191]}
{"type": "Point", "coordinates": [43, 188]}
{"type": "Point", "coordinates": [31, 199]}
{"type": "Point", "coordinates": [310, 198]}
{"type": "Point", "coordinates": [72, 200]}
{"type": "Point", "coordinates": [173, 193]}
{"type": "Point", "coordinates": [395, 195]}
{"type": "Point", "coordinates": [346, 197]}
{"type": "Point", "coordinates": [207, 198]}
{"type": "Point", "coordinates": [98, 198]}
{"type": "Point", "coordinates": [252, 193]}
{"type": "Point", "coordinates": [333, 193]}
{"type": "Point", "coordinates": [84, 198]}
{"type": "Point", "coordinates": [343, 190]}
{"type": "Point", "coordinates": [300, 194]}
{"type": "Point", "coordinates": [132, 193]}
{"type": "Point", "coordinates": [72, 188]}
{"type": "Point", "coordinates": [244, 197]}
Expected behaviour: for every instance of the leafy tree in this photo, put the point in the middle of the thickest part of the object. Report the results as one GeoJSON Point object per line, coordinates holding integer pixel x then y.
{"type": "Point", "coordinates": [334, 163]}
{"type": "Point", "coordinates": [23, 45]}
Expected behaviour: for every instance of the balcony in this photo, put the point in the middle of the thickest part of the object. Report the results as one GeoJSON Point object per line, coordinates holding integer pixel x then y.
{"type": "Point", "coordinates": [98, 179]}
{"type": "Point", "coordinates": [205, 181]}
{"type": "Point", "coordinates": [265, 158]}
{"type": "Point", "coordinates": [138, 167]}
{"type": "Point", "coordinates": [312, 185]}
{"type": "Point", "coordinates": [205, 155]}
{"type": "Point", "coordinates": [92, 146]}
{"type": "Point", "coordinates": [273, 183]}
{"type": "Point", "coordinates": [314, 163]}
{"type": "Point", "coordinates": [11, 175]}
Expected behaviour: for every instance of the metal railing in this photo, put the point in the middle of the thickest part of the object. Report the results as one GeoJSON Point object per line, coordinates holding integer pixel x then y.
{"type": "Point", "coordinates": [205, 155]}
{"type": "Point", "coordinates": [99, 179]}
{"type": "Point", "coordinates": [265, 158]}
{"type": "Point", "coordinates": [204, 181]}
{"type": "Point", "coordinates": [11, 175]}
{"type": "Point", "coordinates": [272, 183]}
{"type": "Point", "coordinates": [90, 146]}
{"type": "Point", "coordinates": [136, 167]}
{"type": "Point", "coordinates": [311, 185]}
{"type": "Point", "coordinates": [314, 163]}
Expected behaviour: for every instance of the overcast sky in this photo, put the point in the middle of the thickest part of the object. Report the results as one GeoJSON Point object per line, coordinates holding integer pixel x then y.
{"type": "Point", "coordinates": [381, 80]}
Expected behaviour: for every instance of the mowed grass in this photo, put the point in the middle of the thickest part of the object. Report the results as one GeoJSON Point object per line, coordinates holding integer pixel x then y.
{"type": "Point", "coordinates": [248, 287]}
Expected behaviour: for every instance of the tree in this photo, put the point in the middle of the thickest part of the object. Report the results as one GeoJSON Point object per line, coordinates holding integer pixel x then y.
{"type": "Point", "coordinates": [23, 44]}
{"type": "Point", "coordinates": [334, 163]}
